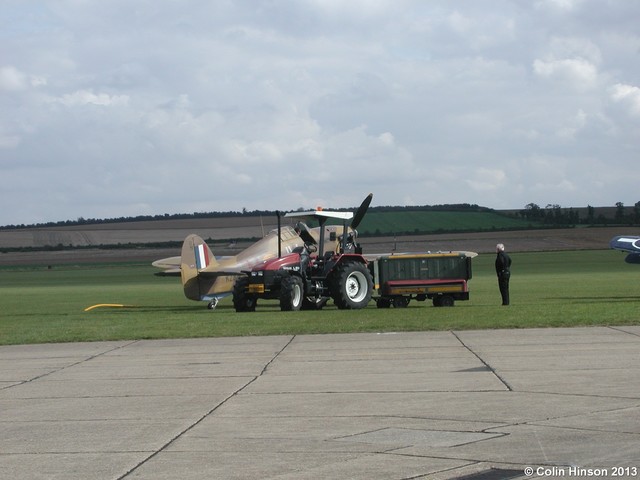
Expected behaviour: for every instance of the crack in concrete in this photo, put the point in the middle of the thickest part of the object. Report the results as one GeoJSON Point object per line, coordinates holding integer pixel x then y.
{"type": "Point", "coordinates": [74, 364]}
{"type": "Point", "coordinates": [621, 330]}
{"type": "Point", "coordinates": [491, 369]}
{"type": "Point", "coordinates": [208, 413]}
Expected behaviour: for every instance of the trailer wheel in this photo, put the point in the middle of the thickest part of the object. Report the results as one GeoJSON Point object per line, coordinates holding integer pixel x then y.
{"type": "Point", "coordinates": [443, 301]}
{"type": "Point", "coordinates": [401, 302]}
{"type": "Point", "coordinates": [352, 286]}
{"type": "Point", "coordinates": [291, 293]}
{"type": "Point", "coordinates": [447, 301]}
{"type": "Point", "coordinates": [242, 301]}
{"type": "Point", "coordinates": [383, 302]}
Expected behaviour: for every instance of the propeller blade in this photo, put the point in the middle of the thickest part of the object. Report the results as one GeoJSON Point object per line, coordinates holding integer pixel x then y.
{"type": "Point", "coordinates": [357, 218]}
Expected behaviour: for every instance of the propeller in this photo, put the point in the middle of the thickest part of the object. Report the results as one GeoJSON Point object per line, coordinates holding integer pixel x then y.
{"type": "Point", "coordinates": [357, 218]}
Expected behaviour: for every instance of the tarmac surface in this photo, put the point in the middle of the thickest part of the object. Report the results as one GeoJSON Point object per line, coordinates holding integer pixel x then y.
{"type": "Point", "coordinates": [465, 404]}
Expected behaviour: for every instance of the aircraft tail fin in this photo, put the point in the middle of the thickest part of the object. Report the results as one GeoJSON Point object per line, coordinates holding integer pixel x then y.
{"type": "Point", "coordinates": [196, 256]}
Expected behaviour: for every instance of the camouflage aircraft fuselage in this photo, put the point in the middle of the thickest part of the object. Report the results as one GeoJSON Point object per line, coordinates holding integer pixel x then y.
{"type": "Point", "coordinates": [206, 278]}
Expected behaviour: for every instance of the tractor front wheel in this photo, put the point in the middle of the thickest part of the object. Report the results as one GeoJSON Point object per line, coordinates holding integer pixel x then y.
{"type": "Point", "coordinates": [291, 293]}
{"type": "Point", "coordinates": [242, 301]}
{"type": "Point", "coordinates": [352, 286]}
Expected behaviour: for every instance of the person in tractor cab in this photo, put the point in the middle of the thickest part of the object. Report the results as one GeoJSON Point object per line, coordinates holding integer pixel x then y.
{"type": "Point", "coordinates": [305, 257]}
{"type": "Point", "coordinates": [304, 251]}
{"type": "Point", "coordinates": [351, 245]}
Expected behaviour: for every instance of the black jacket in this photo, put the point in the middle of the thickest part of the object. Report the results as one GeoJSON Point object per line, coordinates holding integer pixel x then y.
{"type": "Point", "coordinates": [503, 263]}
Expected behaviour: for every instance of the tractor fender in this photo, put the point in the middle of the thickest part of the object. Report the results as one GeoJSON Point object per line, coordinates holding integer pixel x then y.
{"type": "Point", "coordinates": [347, 258]}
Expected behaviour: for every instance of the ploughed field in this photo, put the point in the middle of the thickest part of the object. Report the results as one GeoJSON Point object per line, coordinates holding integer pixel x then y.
{"type": "Point", "coordinates": [228, 236]}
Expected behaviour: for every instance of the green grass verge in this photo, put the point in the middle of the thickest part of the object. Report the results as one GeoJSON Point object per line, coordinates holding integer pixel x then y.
{"type": "Point", "coordinates": [552, 289]}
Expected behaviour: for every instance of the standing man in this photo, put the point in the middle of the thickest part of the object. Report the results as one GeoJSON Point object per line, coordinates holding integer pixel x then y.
{"type": "Point", "coordinates": [503, 270]}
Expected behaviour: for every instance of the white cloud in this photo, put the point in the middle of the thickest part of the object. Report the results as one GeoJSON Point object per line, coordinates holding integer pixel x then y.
{"type": "Point", "coordinates": [575, 47]}
{"type": "Point", "coordinates": [459, 22]}
{"type": "Point", "coordinates": [486, 179]}
{"type": "Point", "coordinates": [573, 126]}
{"type": "Point", "coordinates": [387, 139]}
{"type": "Point", "coordinates": [13, 80]}
{"type": "Point", "coordinates": [628, 95]}
{"type": "Point", "coordinates": [230, 105]}
{"type": "Point", "coordinates": [86, 97]}
{"type": "Point", "coordinates": [572, 61]}
{"type": "Point", "coordinates": [575, 73]}
{"type": "Point", "coordinates": [562, 5]}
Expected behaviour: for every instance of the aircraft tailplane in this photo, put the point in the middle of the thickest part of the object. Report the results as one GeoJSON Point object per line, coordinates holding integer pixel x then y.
{"type": "Point", "coordinates": [196, 256]}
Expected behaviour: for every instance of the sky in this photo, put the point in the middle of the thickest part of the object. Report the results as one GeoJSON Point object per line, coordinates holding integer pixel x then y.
{"type": "Point", "coordinates": [150, 107]}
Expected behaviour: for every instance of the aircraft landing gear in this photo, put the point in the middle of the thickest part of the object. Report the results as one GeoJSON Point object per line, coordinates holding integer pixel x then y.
{"type": "Point", "coordinates": [213, 304]}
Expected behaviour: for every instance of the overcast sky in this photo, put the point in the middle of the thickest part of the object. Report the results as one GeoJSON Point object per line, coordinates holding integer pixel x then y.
{"type": "Point", "coordinates": [136, 107]}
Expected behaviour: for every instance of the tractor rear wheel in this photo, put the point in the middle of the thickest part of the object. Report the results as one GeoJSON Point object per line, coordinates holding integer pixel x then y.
{"type": "Point", "coordinates": [291, 293]}
{"type": "Point", "coordinates": [352, 286]}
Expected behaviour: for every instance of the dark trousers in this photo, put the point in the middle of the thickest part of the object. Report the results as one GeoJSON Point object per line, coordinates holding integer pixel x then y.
{"type": "Point", "coordinates": [503, 284]}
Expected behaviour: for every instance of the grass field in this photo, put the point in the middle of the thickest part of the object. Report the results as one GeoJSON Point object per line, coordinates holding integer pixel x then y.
{"type": "Point", "coordinates": [550, 289]}
{"type": "Point", "coordinates": [434, 221]}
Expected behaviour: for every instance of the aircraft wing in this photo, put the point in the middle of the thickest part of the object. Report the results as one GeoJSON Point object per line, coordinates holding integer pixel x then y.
{"type": "Point", "coordinates": [220, 273]}
{"type": "Point", "coordinates": [629, 244]}
{"type": "Point", "coordinates": [626, 243]}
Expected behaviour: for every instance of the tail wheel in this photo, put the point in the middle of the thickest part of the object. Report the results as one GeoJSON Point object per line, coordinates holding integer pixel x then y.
{"type": "Point", "coordinates": [242, 301]}
{"type": "Point", "coordinates": [291, 293]}
{"type": "Point", "coordinates": [352, 286]}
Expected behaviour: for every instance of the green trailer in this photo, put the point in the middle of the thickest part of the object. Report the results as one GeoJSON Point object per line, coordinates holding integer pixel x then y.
{"type": "Point", "coordinates": [440, 277]}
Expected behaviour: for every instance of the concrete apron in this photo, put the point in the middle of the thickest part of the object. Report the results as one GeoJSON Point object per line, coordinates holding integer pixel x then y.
{"type": "Point", "coordinates": [482, 404]}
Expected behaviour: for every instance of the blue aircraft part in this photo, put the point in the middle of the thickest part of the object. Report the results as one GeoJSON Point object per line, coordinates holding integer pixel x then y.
{"type": "Point", "coordinates": [633, 258]}
{"type": "Point", "coordinates": [626, 243]}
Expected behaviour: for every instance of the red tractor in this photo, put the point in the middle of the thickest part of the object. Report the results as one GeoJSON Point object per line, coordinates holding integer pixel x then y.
{"type": "Point", "coordinates": [309, 276]}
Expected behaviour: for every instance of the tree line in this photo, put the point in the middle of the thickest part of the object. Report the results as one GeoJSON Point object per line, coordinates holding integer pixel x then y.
{"type": "Point", "coordinates": [459, 207]}
{"type": "Point", "coordinates": [551, 214]}
{"type": "Point", "coordinates": [555, 215]}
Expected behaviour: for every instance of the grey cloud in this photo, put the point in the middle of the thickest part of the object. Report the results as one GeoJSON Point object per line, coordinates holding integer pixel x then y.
{"type": "Point", "coordinates": [112, 108]}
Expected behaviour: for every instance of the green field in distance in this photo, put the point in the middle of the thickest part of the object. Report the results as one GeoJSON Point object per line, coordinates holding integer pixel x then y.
{"type": "Point", "coordinates": [435, 221]}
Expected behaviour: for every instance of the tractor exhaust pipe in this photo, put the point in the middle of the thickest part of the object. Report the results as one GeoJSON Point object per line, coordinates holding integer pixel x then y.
{"type": "Point", "coordinates": [279, 235]}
